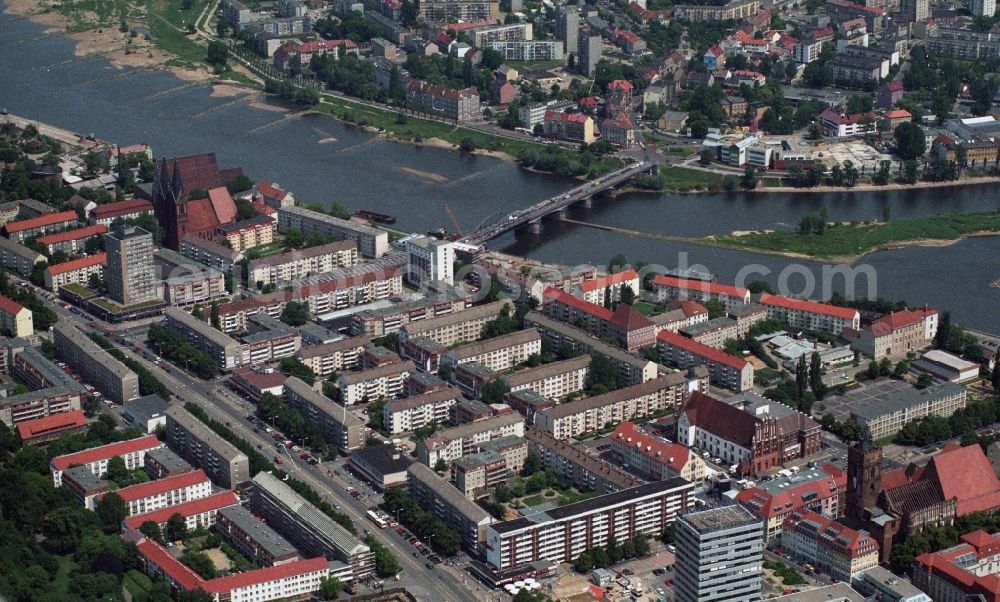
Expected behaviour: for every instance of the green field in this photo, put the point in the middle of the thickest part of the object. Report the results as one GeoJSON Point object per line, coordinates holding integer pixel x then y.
{"type": "Point", "coordinates": [529, 66]}
{"type": "Point", "coordinates": [857, 239]}
{"type": "Point", "coordinates": [644, 307]}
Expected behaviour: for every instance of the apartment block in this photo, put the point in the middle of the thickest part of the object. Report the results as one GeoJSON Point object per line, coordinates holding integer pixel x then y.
{"type": "Point", "coordinates": [822, 491]}
{"type": "Point", "coordinates": [501, 33]}
{"type": "Point", "coordinates": [371, 242]}
{"type": "Point", "coordinates": [340, 427]}
{"type": "Point", "coordinates": [111, 377]}
{"type": "Point", "coordinates": [70, 241]}
{"type": "Point", "coordinates": [164, 493]}
{"type": "Point", "coordinates": [653, 458]}
{"type": "Point", "coordinates": [829, 546]}
{"type": "Point", "coordinates": [248, 233]}
{"type": "Point", "coordinates": [478, 474]}
{"type": "Point", "coordinates": [306, 527]}
{"type": "Point", "coordinates": [276, 269]}
{"type": "Point", "coordinates": [410, 413]}
{"type": "Point", "coordinates": [896, 334]}
{"type": "Point", "coordinates": [632, 370]}
{"type": "Point", "coordinates": [386, 381]}
{"type": "Point", "coordinates": [337, 356]}
{"type": "Point", "coordinates": [499, 353]}
{"type": "Point", "coordinates": [75, 271]}
{"type": "Point", "coordinates": [672, 287]}
{"type": "Point", "coordinates": [568, 420]}
{"type": "Point", "coordinates": [129, 275]}
{"type": "Point", "coordinates": [209, 252]}
{"type": "Point", "coordinates": [257, 542]}
{"type": "Point", "coordinates": [225, 350]}
{"type": "Point", "coordinates": [453, 443]}
{"type": "Point", "coordinates": [15, 319]}
{"type": "Point", "coordinates": [201, 512]}
{"type": "Point", "coordinates": [105, 214]}
{"type": "Point", "coordinates": [37, 226]}
{"type": "Point", "coordinates": [18, 257]}
{"type": "Point", "coordinates": [606, 290]}
{"type": "Point", "coordinates": [724, 370]}
{"type": "Point", "coordinates": [887, 409]}
{"type": "Point", "coordinates": [555, 380]}
{"type": "Point", "coordinates": [586, 472]}
{"type": "Point", "coordinates": [713, 333]}
{"type": "Point", "coordinates": [460, 327]}
{"type": "Point", "coordinates": [425, 352]}
{"type": "Point", "coordinates": [132, 451]}
{"type": "Point", "coordinates": [446, 103]}
{"type": "Point", "coordinates": [440, 498]}
{"type": "Point", "coordinates": [562, 534]}
{"type": "Point", "coordinates": [719, 556]}
{"type": "Point", "coordinates": [204, 448]}
{"type": "Point", "coordinates": [734, 9]}
{"type": "Point", "coordinates": [625, 326]}
{"type": "Point", "coordinates": [380, 322]}
{"type": "Point", "coordinates": [529, 50]}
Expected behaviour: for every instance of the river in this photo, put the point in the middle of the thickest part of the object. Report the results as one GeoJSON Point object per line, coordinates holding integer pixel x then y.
{"type": "Point", "coordinates": [321, 159]}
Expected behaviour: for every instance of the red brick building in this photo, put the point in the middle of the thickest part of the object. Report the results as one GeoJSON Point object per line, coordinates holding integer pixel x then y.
{"type": "Point", "coordinates": [190, 197]}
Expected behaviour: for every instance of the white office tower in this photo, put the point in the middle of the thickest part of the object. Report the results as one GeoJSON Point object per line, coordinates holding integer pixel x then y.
{"type": "Point", "coordinates": [719, 555]}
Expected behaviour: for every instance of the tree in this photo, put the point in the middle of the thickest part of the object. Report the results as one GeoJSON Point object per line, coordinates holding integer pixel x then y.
{"type": "Point", "coordinates": [117, 471]}
{"type": "Point", "coordinates": [296, 313]}
{"type": "Point", "coordinates": [627, 295]}
{"type": "Point", "coordinates": [749, 179]}
{"type": "Point", "coordinates": [943, 331]}
{"type": "Point", "coordinates": [330, 588]}
{"type": "Point", "coordinates": [910, 140]}
{"type": "Point", "coordinates": [440, 465]}
{"type": "Point", "coordinates": [111, 511]}
{"type": "Point", "coordinates": [467, 145]}
{"type": "Point", "coordinates": [177, 527]}
{"type": "Point", "coordinates": [995, 377]}
{"type": "Point", "coordinates": [816, 377]}
{"type": "Point", "coordinates": [217, 54]}
{"type": "Point", "coordinates": [924, 380]}
{"type": "Point", "coordinates": [532, 464]}
{"type": "Point", "coordinates": [151, 530]}
{"type": "Point", "coordinates": [801, 377]}
{"type": "Point", "coordinates": [493, 391]}
{"type": "Point", "coordinates": [200, 563]}
{"type": "Point", "coordinates": [603, 372]}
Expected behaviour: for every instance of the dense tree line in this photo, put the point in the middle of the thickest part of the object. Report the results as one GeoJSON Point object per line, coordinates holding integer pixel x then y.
{"type": "Point", "coordinates": [443, 539]}
{"type": "Point", "coordinates": [612, 553]}
{"type": "Point", "coordinates": [975, 415]}
{"type": "Point", "coordinates": [176, 347]}
{"type": "Point", "coordinates": [258, 462]}
{"type": "Point", "coordinates": [289, 421]}
{"type": "Point", "coordinates": [41, 314]}
{"type": "Point", "coordinates": [386, 564]}
{"type": "Point", "coordinates": [148, 384]}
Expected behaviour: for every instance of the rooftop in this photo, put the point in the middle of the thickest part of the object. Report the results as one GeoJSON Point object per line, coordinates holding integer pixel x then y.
{"type": "Point", "coordinates": [712, 288]}
{"type": "Point", "coordinates": [159, 486]}
{"type": "Point", "coordinates": [894, 396]}
{"type": "Point", "coordinates": [105, 452]}
{"type": "Point", "coordinates": [408, 403]}
{"type": "Point", "coordinates": [520, 337]}
{"type": "Point", "coordinates": [47, 219]}
{"type": "Point", "coordinates": [588, 403]}
{"type": "Point", "coordinates": [263, 535]}
{"type": "Point", "coordinates": [68, 235]}
{"type": "Point", "coordinates": [478, 312]}
{"type": "Point", "coordinates": [308, 253]}
{"type": "Point", "coordinates": [384, 371]}
{"type": "Point", "coordinates": [165, 457]}
{"type": "Point", "coordinates": [199, 430]}
{"type": "Point", "coordinates": [717, 519]}
{"type": "Point", "coordinates": [700, 349]}
{"type": "Point", "coordinates": [29, 429]}
{"type": "Point", "coordinates": [467, 430]}
{"type": "Point", "coordinates": [198, 506]}
{"type": "Point", "coordinates": [845, 313]}
{"type": "Point", "coordinates": [545, 371]}
{"type": "Point", "coordinates": [446, 491]}
{"type": "Point", "coordinates": [77, 264]}
{"type": "Point", "coordinates": [383, 459]}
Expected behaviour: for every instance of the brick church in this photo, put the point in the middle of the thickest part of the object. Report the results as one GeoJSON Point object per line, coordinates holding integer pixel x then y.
{"type": "Point", "coordinates": [189, 196]}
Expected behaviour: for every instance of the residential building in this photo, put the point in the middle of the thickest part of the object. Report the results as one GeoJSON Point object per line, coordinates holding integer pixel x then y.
{"type": "Point", "coordinates": [896, 334]}
{"type": "Point", "coordinates": [619, 131]}
{"type": "Point", "coordinates": [286, 267]}
{"type": "Point", "coordinates": [38, 226]}
{"type": "Point", "coordinates": [148, 412]}
{"type": "Point", "coordinates": [459, 10]}
{"type": "Point", "coordinates": [810, 315]}
{"type": "Point", "coordinates": [589, 51]}
{"type": "Point", "coordinates": [429, 259]}
{"type": "Point", "coordinates": [386, 381]}
{"type": "Point", "coordinates": [680, 314]}
{"type": "Point", "coordinates": [982, 8]}
{"type": "Point", "coordinates": [186, 282]}
{"type": "Point", "coordinates": [50, 398]}
{"type": "Point", "coordinates": [209, 252]}
{"type": "Point", "coordinates": [561, 534]}
{"type": "Point", "coordinates": [85, 486]}
{"type": "Point", "coordinates": [129, 275]}
{"type": "Point", "coordinates": [226, 351]}
{"type": "Point", "coordinates": [575, 127]}
{"type": "Point", "coordinates": [459, 327]}
{"type": "Point", "coordinates": [724, 370]}
{"type": "Point", "coordinates": [888, 408]}
{"type": "Point", "coordinates": [256, 541]}
{"type": "Point", "coordinates": [476, 475]}
{"type": "Point", "coordinates": [371, 242]}
{"type": "Point", "coordinates": [671, 287]}
{"type": "Point", "coordinates": [734, 9]}
{"type": "Point", "coordinates": [841, 125]}
{"type": "Point", "coordinates": [829, 546]}
{"type": "Point", "coordinates": [43, 430]}
{"type": "Point", "coordinates": [246, 234]}
{"type": "Point", "coordinates": [201, 512]}
{"type": "Point", "coordinates": [555, 380]}
{"type": "Point", "coordinates": [653, 458]}
{"type": "Point", "coordinates": [75, 271]}
{"type": "Point", "coordinates": [254, 381]}
{"type": "Point", "coordinates": [807, 52]}
{"type": "Point", "coordinates": [384, 465]}
{"type": "Point", "coordinates": [714, 332]}
{"type": "Point", "coordinates": [103, 215]}
{"type": "Point", "coordinates": [304, 51]}
{"type": "Point", "coordinates": [967, 571]}
{"type": "Point", "coordinates": [529, 50]}
{"type": "Point", "coordinates": [586, 472]}
{"type": "Point", "coordinates": [71, 241]}
{"type": "Point", "coordinates": [163, 462]}
{"type": "Point", "coordinates": [16, 320]}
{"type": "Point", "coordinates": [340, 427]}
{"type": "Point", "coordinates": [440, 498]}
{"type": "Point", "coordinates": [193, 440]}
{"type": "Point", "coordinates": [821, 490]}
{"type": "Point", "coordinates": [425, 352]}
{"type": "Point", "coordinates": [410, 413]}
{"type": "Point", "coordinates": [568, 27]}
{"type": "Point", "coordinates": [338, 356]}
{"type": "Point", "coordinates": [632, 370]}
{"type": "Point", "coordinates": [163, 493]}
{"type": "Point", "coordinates": [719, 556]}
{"type": "Point", "coordinates": [455, 105]}
{"type": "Point", "coordinates": [18, 257]}
{"type": "Point", "coordinates": [607, 290]}
{"type": "Point", "coordinates": [499, 353]}
{"type": "Point", "coordinates": [879, 583]}
{"type": "Point", "coordinates": [380, 322]}
{"type": "Point", "coordinates": [625, 326]}
{"type": "Point", "coordinates": [571, 419]}
{"type": "Point", "coordinates": [311, 531]}
{"type": "Point", "coordinates": [132, 451]}
{"type": "Point", "coordinates": [453, 443]}
{"type": "Point", "coordinates": [749, 432]}
{"type": "Point", "coordinates": [94, 364]}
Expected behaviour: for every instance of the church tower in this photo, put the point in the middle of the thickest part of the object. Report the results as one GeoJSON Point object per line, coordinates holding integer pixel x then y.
{"type": "Point", "coordinates": [864, 477]}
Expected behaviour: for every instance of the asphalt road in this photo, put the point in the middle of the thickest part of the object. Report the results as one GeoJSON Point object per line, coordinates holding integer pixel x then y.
{"type": "Point", "coordinates": [440, 584]}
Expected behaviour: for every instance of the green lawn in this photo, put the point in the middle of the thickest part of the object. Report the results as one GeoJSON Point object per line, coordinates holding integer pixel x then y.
{"type": "Point", "coordinates": [644, 307]}
{"type": "Point", "coordinates": [529, 66]}
{"type": "Point", "coordinates": [534, 500]}
{"type": "Point", "coordinates": [857, 239]}
{"type": "Point", "coordinates": [681, 178]}
{"type": "Point", "coordinates": [137, 583]}
{"type": "Point", "coordinates": [678, 151]}
{"type": "Point", "coordinates": [61, 581]}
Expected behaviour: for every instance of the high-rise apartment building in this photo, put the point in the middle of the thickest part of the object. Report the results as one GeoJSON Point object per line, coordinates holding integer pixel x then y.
{"type": "Point", "coordinates": [719, 555]}
{"type": "Point", "coordinates": [983, 8]}
{"type": "Point", "coordinates": [129, 275]}
{"type": "Point", "coordinates": [588, 52]}
{"type": "Point", "coordinates": [568, 27]}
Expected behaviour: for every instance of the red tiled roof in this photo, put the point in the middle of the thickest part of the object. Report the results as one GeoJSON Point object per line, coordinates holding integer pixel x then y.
{"type": "Point", "coordinates": [201, 216]}
{"type": "Point", "coordinates": [560, 296]}
{"type": "Point", "coordinates": [270, 191]}
{"type": "Point", "coordinates": [945, 140]}
{"type": "Point", "coordinates": [766, 505]}
{"type": "Point", "coordinates": [672, 454]}
{"type": "Point", "coordinates": [9, 305]}
{"type": "Point", "coordinates": [120, 208]}
{"type": "Point", "coordinates": [720, 418]}
{"type": "Point", "coordinates": [894, 86]}
{"type": "Point", "coordinates": [128, 150]}
{"type": "Point", "coordinates": [833, 116]}
{"type": "Point", "coordinates": [708, 286]}
{"type": "Point", "coordinates": [609, 280]}
{"type": "Point", "coordinates": [834, 534]}
{"type": "Point", "coordinates": [627, 318]}
{"type": "Point", "coordinates": [965, 473]}
{"type": "Point", "coordinates": [588, 102]}
{"type": "Point", "coordinates": [900, 319]}
{"type": "Point", "coordinates": [822, 32]}
{"type": "Point", "coordinates": [105, 452]}
{"type": "Point", "coordinates": [47, 219]}
{"type": "Point", "coordinates": [898, 114]}
{"type": "Point", "coordinates": [222, 204]}
{"type": "Point", "coordinates": [808, 306]}
{"type": "Point", "coordinates": [144, 490]}
{"type": "Point", "coordinates": [271, 573]}
{"type": "Point", "coordinates": [224, 499]}
{"type": "Point", "coordinates": [183, 575]}
{"type": "Point", "coordinates": [572, 117]}
{"type": "Point", "coordinates": [67, 235]}
{"type": "Point", "coordinates": [196, 172]}
{"type": "Point", "coordinates": [692, 308]}
{"type": "Point", "coordinates": [261, 380]}
{"type": "Point", "coordinates": [77, 264]}
{"type": "Point", "coordinates": [321, 45]}
{"type": "Point", "coordinates": [700, 349]}
{"type": "Point", "coordinates": [622, 85]}
{"type": "Point", "coordinates": [29, 429]}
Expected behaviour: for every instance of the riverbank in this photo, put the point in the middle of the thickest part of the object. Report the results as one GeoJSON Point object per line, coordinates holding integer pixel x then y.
{"type": "Point", "coordinates": [846, 243]}
{"type": "Point", "coordinates": [965, 181]}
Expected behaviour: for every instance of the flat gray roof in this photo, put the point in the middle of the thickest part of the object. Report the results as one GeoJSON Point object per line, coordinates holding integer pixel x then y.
{"type": "Point", "coordinates": [202, 328]}
{"type": "Point", "coordinates": [324, 403]}
{"type": "Point", "coordinates": [473, 313]}
{"type": "Point", "coordinates": [894, 396]}
{"type": "Point", "coordinates": [266, 537]}
{"type": "Point", "coordinates": [467, 430]}
{"type": "Point", "coordinates": [92, 349]}
{"type": "Point", "coordinates": [519, 337]}
{"type": "Point", "coordinates": [200, 431]}
{"type": "Point", "coordinates": [716, 519]}
{"type": "Point", "coordinates": [531, 375]}
{"type": "Point", "coordinates": [447, 492]}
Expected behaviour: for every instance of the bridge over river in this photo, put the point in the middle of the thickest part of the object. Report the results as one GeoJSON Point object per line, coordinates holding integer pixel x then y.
{"type": "Point", "coordinates": [532, 216]}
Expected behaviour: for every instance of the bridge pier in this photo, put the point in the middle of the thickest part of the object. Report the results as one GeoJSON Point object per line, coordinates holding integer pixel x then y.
{"type": "Point", "coordinates": [535, 226]}
{"type": "Point", "coordinates": [561, 214]}
{"type": "Point", "coordinates": [588, 202]}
